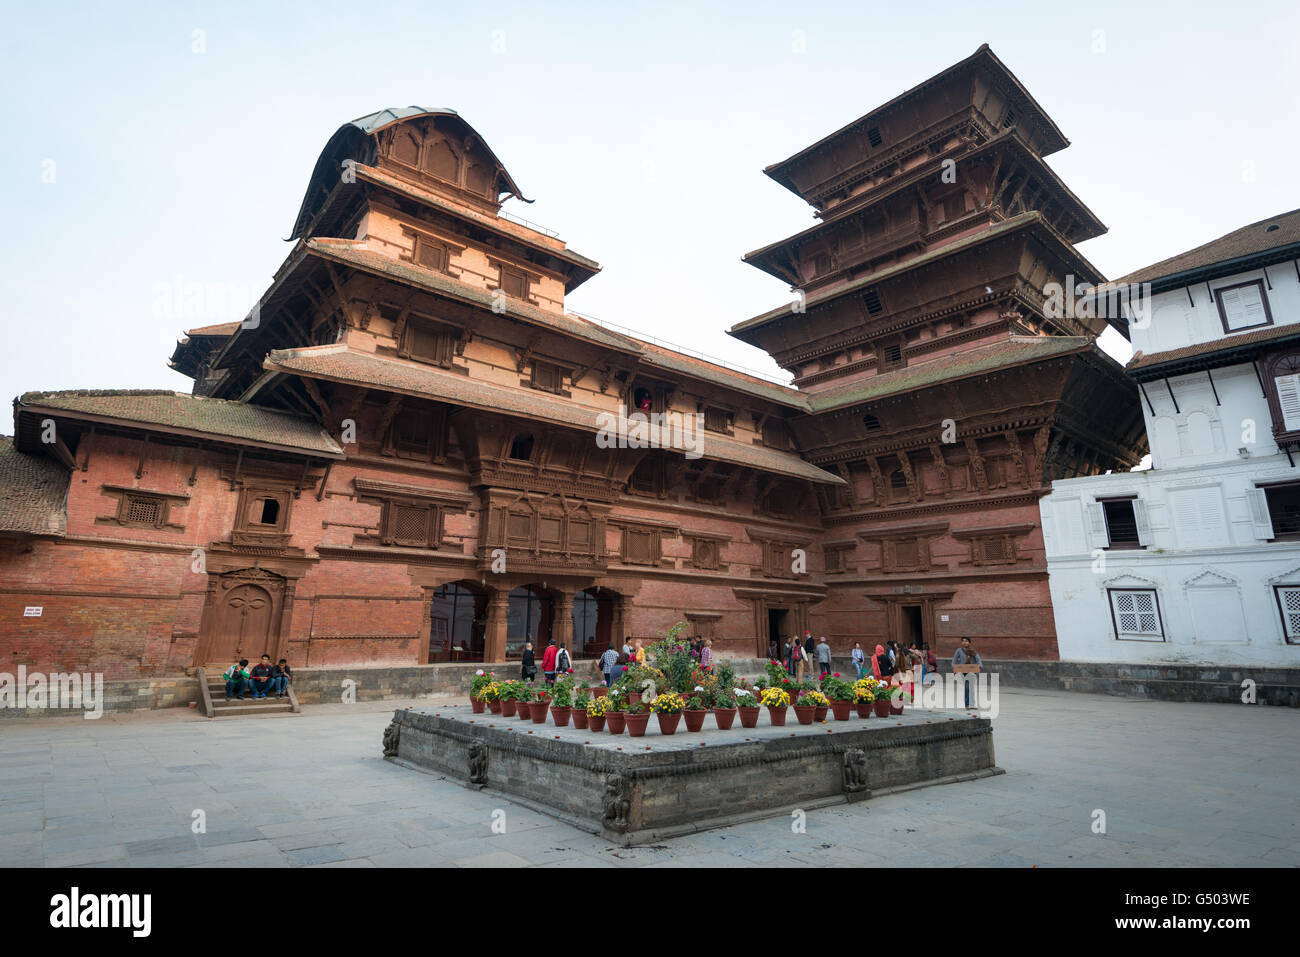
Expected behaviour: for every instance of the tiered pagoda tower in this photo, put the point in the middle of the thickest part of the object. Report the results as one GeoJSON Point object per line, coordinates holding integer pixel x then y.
{"type": "Point", "coordinates": [939, 387]}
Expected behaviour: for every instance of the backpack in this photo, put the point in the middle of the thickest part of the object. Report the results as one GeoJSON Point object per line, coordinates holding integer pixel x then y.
{"type": "Point", "coordinates": [562, 662]}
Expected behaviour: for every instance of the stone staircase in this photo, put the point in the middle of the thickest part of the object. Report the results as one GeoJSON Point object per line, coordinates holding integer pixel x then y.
{"type": "Point", "coordinates": [212, 699]}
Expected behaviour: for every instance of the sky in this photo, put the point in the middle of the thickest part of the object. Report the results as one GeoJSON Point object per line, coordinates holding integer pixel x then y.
{"type": "Point", "coordinates": [149, 147]}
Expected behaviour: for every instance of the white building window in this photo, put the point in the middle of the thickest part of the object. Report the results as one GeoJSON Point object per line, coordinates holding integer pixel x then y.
{"type": "Point", "coordinates": [1243, 306]}
{"type": "Point", "coordinates": [1135, 613]}
{"type": "Point", "coordinates": [1119, 522]}
{"type": "Point", "coordinates": [1288, 603]}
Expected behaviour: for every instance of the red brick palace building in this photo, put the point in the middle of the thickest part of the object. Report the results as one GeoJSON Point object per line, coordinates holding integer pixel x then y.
{"type": "Point", "coordinates": [395, 459]}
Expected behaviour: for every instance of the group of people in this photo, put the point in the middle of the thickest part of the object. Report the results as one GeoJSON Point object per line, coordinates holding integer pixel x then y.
{"type": "Point", "coordinates": [800, 653]}
{"type": "Point", "coordinates": [263, 679]}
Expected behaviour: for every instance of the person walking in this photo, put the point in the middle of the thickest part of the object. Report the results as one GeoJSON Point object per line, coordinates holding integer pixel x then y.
{"type": "Point", "coordinates": [881, 665]}
{"type": "Point", "coordinates": [548, 662]}
{"type": "Point", "coordinates": [809, 648]}
{"type": "Point", "coordinates": [823, 657]}
{"type": "Point", "coordinates": [800, 661]}
{"type": "Point", "coordinates": [706, 655]}
{"type": "Point", "coordinates": [859, 659]}
{"type": "Point", "coordinates": [528, 664]}
{"type": "Point", "coordinates": [563, 663]}
{"type": "Point", "coordinates": [967, 655]}
{"type": "Point", "coordinates": [790, 645]}
{"type": "Point", "coordinates": [638, 652]}
{"type": "Point", "coordinates": [607, 661]}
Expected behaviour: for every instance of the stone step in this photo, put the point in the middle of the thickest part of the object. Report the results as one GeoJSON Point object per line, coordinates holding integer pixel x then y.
{"type": "Point", "coordinates": [250, 707]}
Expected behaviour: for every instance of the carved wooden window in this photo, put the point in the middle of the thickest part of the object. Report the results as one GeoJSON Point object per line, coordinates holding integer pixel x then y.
{"type": "Point", "coordinates": [709, 490]}
{"type": "Point", "coordinates": [513, 282]}
{"type": "Point", "coordinates": [907, 553]}
{"type": "Point", "coordinates": [414, 434]}
{"type": "Point", "coordinates": [1284, 396]}
{"type": "Point", "coordinates": [142, 511]}
{"type": "Point", "coordinates": [640, 546]}
{"type": "Point", "coordinates": [717, 420]}
{"type": "Point", "coordinates": [898, 490]}
{"type": "Point", "coordinates": [891, 356]}
{"type": "Point", "coordinates": [776, 434]}
{"type": "Point", "coordinates": [836, 560]}
{"type": "Point", "coordinates": [547, 377]}
{"type": "Point", "coordinates": [647, 477]}
{"type": "Point", "coordinates": [429, 254]}
{"type": "Point", "coordinates": [778, 562]}
{"type": "Point", "coordinates": [442, 160]}
{"type": "Point", "coordinates": [478, 179]}
{"type": "Point", "coordinates": [1243, 306]}
{"type": "Point", "coordinates": [406, 147]}
{"type": "Point", "coordinates": [266, 511]}
{"type": "Point", "coordinates": [821, 264]}
{"type": "Point", "coordinates": [704, 553]}
{"type": "Point", "coordinates": [1284, 511]}
{"type": "Point", "coordinates": [521, 447]}
{"type": "Point", "coordinates": [519, 527]}
{"type": "Point", "coordinates": [413, 525]}
{"type": "Point", "coordinates": [871, 423]}
{"type": "Point", "coordinates": [428, 342]}
{"type": "Point", "coordinates": [874, 137]}
{"type": "Point", "coordinates": [871, 299]}
{"type": "Point", "coordinates": [993, 550]}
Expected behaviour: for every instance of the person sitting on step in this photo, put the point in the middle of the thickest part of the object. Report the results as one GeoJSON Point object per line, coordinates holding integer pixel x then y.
{"type": "Point", "coordinates": [236, 679]}
{"type": "Point", "coordinates": [280, 678]}
{"type": "Point", "coordinates": [261, 676]}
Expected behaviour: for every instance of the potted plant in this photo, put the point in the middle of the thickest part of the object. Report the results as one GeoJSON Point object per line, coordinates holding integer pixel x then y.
{"type": "Point", "coordinates": [697, 709]}
{"type": "Point", "coordinates": [840, 693]}
{"type": "Point", "coordinates": [599, 691]}
{"type": "Point", "coordinates": [638, 716]}
{"type": "Point", "coordinates": [747, 706]}
{"type": "Point", "coordinates": [806, 707]}
{"type": "Point", "coordinates": [777, 701]}
{"type": "Point", "coordinates": [525, 695]}
{"type": "Point", "coordinates": [881, 702]}
{"type": "Point", "coordinates": [509, 698]}
{"type": "Point", "coordinates": [477, 685]}
{"type": "Point", "coordinates": [580, 701]}
{"type": "Point", "coordinates": [490, 695]}
{"type": "Point", "coordinates": [538, 707]}
{"type": "Point", "coordinates": [724, 710]}
{"type": "Point", "coordinates": [596, 708]}
{"type": "Point", "coordinates": [896, 698]}
{"type": "Point", "coordinates": [615, 716]}
{"type": "Point", "coordinates": [562, 701]}
{"type": "Point", "coordinates": [668, 709]}
{"type": "Point", "coordinates": [864, 696]}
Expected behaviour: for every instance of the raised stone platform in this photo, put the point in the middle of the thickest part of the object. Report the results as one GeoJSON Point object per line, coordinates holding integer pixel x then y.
{"type": "Point", "coordinates": [634, 790]}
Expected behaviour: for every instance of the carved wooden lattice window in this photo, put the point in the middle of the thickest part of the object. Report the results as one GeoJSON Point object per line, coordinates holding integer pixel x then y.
{"type": "Point", "coordinates": [776, 434]}
{"type": "Point", "coordinates": [144, 510]}
{"type": "Point", "coordinates": [836, 560]}
{"type": "Point", "coordinates": [413, 433]}
{"type": "Point", "coordinates": [1288, 604]}
{"type": "Point", "coordinates": [704, 553]}
{"type": "Point", "coordinates": [907, 553]}
{"type": "Point", "coordinates": [716, 420]}
{"type": "Point", "coordinates": [414, 525]}
{"type": "Point", "coordinates": [1135, 613]}
{"type": "Point", "coordinates": [640, 546]}
{"type": "Point", "coordinates": [995, 550]}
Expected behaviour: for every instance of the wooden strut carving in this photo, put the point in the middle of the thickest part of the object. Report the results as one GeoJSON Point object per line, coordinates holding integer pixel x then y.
{"type": "Point", "coordinates": [940, 467]}
{"type": "Point", "coordinates": [977, 465]}
{"type": "Point", "coordinates": [913, 486]}
{"type": "Point", "coordinates": [1017, 455]}
{"type": "Point", "coordinates": [392, 734]}
{"type": "Point", "coordinates": [618, 802]}
{"type": "Point", "coordinates": [478, 763]}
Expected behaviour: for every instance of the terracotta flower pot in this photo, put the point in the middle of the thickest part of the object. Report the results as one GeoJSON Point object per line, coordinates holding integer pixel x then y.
{"type": "Point", "coordinates": [777, 715]}
{"type": "Point", "coordinates": [804, 712]}
{"type": "Point", "coordinates": [525, 710]}
{"type": "Point", "coordinates": [896, 705]}
{"type": "Point", "coordinates": [843, 710]}
{"type": "Point", "coordinates": [749, 716]}
{"type": "Point", "coordinates": [819, 714]}
{"type": "Point", "coordinates": [538, 710]}
{"type": "Point", "coordinates": [596, 722]}
{"type": "Point", "coordinates": [509, 707]}
{"type": "Point", "coordinates": [668, 723]}
{"type": "Point", "coordinates": [634, 697]}
{"type": "Point", "coordinates": [476, 705]}
{"type": "Point", "coordinates": [863, 708]}
{"type": "Point", "coordinates": [599, 691]}
{"type": "Point", "coordinates": [881, 707]}
{"type": "Point", "coordinates": [495, 706]}
{"type": "Point", "coordinates": [561, 716]}
{"type": "Point", "coordinates": [695, 719]}
{"type": "Point", "coordinates": [636, 723]}
{"type": "Point", "coordinates": [725, 716]}
{"type": "Point", "coordinates": [617, 719]}
{"type": "Point", "coordinates": [580, 718]}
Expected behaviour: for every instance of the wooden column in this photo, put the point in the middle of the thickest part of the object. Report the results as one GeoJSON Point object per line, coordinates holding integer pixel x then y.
{"type": "Point", "coordinates": [563, 623]}
{"type": "Point", "coordinates": [494, 635]}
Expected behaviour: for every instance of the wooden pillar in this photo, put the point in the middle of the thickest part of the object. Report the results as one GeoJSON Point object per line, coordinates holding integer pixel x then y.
{"type": "Point", "coordinates": [563, 622]}
{"type": "Point", "coordinates": [623, 625]}
{"type": "Point", "coordinates": [494, 635]}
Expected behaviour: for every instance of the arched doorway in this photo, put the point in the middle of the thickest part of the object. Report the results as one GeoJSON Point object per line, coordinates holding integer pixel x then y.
{"type": "Point", "coordinates": [457, 622]}
{"type": "Point", "coordinates": [241, 617]}
{"type": "Point", "coordinates": [530, 616]}
{"type": "Point", "coordinates": [593, 621]}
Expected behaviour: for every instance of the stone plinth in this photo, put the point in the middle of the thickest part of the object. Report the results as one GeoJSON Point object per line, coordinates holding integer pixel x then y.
{"type": "Point", "coordinates": [633, 790]}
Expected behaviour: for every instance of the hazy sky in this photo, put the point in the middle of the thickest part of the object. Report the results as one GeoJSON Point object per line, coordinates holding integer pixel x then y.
{"type": "Point", "coordinates": [151, 144]}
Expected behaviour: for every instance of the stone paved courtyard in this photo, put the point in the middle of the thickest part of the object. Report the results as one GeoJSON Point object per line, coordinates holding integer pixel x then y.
{"type": "Point", "coordinates": [1180, 784]}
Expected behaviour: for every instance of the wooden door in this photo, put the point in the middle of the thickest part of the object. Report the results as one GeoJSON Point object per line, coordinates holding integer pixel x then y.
{"type": "Point", "coordinates": [242, 625]}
